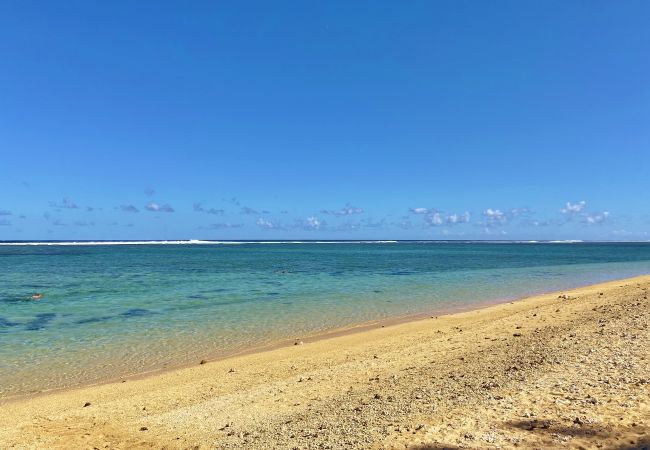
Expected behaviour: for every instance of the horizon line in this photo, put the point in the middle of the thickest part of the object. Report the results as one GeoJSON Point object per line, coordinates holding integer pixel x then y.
{"type": "Point", "coordinates": [15, 242]}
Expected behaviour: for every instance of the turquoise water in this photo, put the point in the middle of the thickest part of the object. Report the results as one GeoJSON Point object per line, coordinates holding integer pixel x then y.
{"type": "Point", "coordinates": [111, 310]}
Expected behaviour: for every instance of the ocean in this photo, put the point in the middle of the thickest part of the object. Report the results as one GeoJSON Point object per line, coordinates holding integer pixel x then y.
{"type": "Point", "coordinates": [115, 309]}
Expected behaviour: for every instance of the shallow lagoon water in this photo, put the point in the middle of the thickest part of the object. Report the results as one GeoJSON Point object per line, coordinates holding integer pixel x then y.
{"type": "Point", "coordinates": [112, 310]}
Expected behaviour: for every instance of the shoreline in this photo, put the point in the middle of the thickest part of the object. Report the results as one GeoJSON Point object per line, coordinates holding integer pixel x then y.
{"type": "Point", "coordinates": [560, 370]}
{"type": "Point", "coordinates": [280, 344]}
{"type": "Point", "coordinates": [308, 338]}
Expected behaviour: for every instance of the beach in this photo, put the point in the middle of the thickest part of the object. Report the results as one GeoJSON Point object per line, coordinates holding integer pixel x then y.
{"type": "Point", "coordinates": [563, 370]}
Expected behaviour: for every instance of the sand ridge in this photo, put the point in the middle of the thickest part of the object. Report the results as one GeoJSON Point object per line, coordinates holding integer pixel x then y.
{"type": "Point", "coordinates": [563, 370]}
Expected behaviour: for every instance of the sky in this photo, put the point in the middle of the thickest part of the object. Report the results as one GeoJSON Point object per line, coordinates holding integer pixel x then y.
{"type": "Point", "coordinates": [325, 120]}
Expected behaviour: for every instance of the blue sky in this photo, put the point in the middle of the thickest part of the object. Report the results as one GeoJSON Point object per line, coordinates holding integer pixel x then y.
{"type": "Point", "coordinates": [337, 120]}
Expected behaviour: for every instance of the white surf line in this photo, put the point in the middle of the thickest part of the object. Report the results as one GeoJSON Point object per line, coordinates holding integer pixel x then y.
{"type": "Point", "coordinates": [189, 242]}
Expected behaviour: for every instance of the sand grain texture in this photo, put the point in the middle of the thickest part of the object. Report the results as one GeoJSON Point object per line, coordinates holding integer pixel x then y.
{"type": "Point", "coordinates": [544, 372]}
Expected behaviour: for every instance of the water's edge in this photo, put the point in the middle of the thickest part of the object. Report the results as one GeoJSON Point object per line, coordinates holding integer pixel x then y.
{"type": "Point", "coordinates": [314, 337]}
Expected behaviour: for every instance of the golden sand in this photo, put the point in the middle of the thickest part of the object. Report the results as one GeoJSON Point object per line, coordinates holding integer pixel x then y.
{"type": "Point", "coordinates": [563, 370]}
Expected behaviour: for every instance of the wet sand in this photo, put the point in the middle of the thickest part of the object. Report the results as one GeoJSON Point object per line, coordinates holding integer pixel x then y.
{"type": "Point", "coordinates": [563, 370]}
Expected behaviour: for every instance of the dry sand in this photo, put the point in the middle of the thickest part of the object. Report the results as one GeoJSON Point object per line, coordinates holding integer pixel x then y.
{"type": "Point", "coordinates": [544, 372]}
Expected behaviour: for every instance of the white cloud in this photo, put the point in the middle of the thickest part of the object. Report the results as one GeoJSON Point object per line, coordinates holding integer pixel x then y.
{"type": "Point", "coordinates": [224, 225]}
{"type": "Point", "coordinates": [495, 217]}
{"type": "Point", "coordinates": [433, 219]}
{"type": "Point", "coordinates": [310, 223]}
{"type": "Point", "coordinates": [347, 210]}
{"type": "Point", "coordinates": [348, 226]}
{"type": "Point", "coordinates": [268, 224]}
{"type": "Point", "coordinates": [313, 223]}
{"type": "Point", "coordinates": [368, 222]}
{"type": "Point", "coordinates": [421, 210]}
{"type": "Point", "coordinates": [454, 219]}
{"type": "Point", "coordinates": [579, 209]}
{"type": "Point", "coordinates": [596, 218]}
{"type": "Point", "coordinates": [521, 212]}
{"type": "Point", "coordinates": [573, 208]}
{"type": "Point", "coordinates": [155, 207]}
